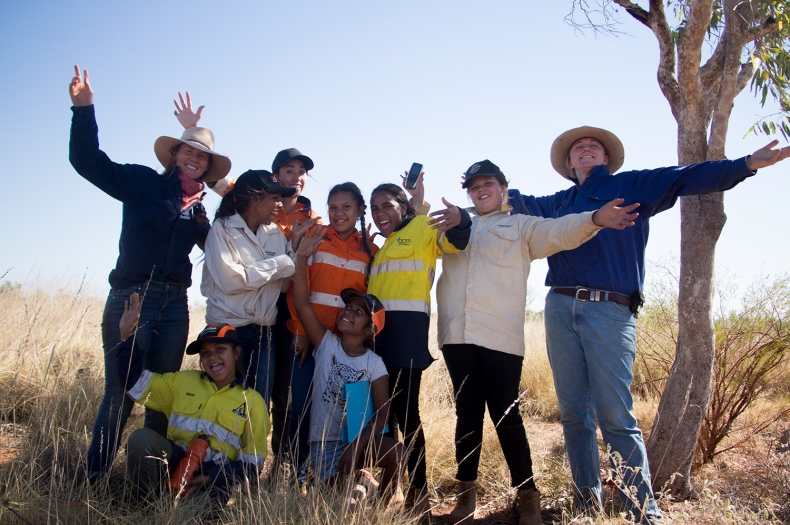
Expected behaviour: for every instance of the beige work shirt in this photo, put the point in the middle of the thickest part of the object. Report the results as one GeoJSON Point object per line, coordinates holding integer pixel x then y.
{"type": "Point", "coordinates": [482, 292]}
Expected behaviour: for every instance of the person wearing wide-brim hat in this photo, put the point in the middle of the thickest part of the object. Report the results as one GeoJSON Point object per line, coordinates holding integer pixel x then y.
{"type": "Point", "coordinates": [245, 265]}
{"type": "Point", "coordinates": [596, 292]}
{"type": "Point", "coordinates": [163, 219]}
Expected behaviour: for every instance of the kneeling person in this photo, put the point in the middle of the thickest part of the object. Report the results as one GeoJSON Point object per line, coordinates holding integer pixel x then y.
{"type": "Point", "coordinates": [213, 404]}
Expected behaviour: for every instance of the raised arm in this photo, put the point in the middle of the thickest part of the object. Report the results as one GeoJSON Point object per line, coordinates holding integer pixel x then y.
{"type": "Point", "coordinates": [80, 89]}
{"type": "Point", "coordinates": [314, 329]}
{"type": "Point", "coordinates": [184, 113]}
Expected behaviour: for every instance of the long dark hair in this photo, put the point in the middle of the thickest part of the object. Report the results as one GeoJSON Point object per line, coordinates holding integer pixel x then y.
{"type": "Point", "coordinates": [398, 194]}
{"type": "Point", "coordinates": [353, 190]}
{"type": "Point", "coordinates": [237, 200]}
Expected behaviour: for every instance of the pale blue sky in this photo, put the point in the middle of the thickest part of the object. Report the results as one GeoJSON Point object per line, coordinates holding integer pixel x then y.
{"type": "Point", "coordinates": [364, 88]}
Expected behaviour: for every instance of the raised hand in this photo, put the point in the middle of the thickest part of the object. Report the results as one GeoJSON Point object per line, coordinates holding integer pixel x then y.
{"type": "Point", "coordinates": [131, 314]}
{"type": "Point", "coordinates": [418, 192]}
{"type": "Point", "coordinates": [371, 235]}
{"type": "Point", "coordinates": [80, 89]}
{"type": "Point", "coordinates": [311, 242]}
{"type": "Point", "coordinates": [184, 113]}
{"type": "Point", "coordinates": [767, 156]}
{"type": "Point", "coordinates": [447, 218]}
{"type": "Point", "coordinates": [612, 216]}
{"type": "Point", "coordinates": [299, 230]}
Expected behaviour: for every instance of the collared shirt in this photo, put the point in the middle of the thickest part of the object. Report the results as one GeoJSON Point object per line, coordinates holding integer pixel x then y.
{"type": "Point", "coordinates": [482, 290]}
{"type": "Point", "coordinates": [303, 212]}
{"type": "Point", "coordinates": [243, 271]}
{"type": "Point", "coordinates": [338, 264]}
{"type": "Point", "coordinates": [615, 259]}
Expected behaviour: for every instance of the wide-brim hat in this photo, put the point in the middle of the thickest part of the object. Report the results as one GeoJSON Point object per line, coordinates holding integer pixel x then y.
{"type": "Point", "coordinates": [198, 138]}
{"type": "Point", "coordinates": [374, 307]}
{"type": "Point", "coordinates": [562, 145]}
{"type": "Point", "coordinates": [214, 333]}
{"type": "Point", "coordinates": [289, 154]}
{"type": "Point", "coordinates": [262, 180]}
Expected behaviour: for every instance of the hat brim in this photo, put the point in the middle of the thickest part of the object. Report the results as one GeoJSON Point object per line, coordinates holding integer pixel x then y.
{"type": "Point", "coordinates": [377, 317]}
{"type": "Point", "coordinates": [307, 161]}
{"type": "Point", "coordinates": [220, 164]}
{"type": "Point", "coordinates": [562, 145]}
{"type": "Point", "coordinates": [194, 347]}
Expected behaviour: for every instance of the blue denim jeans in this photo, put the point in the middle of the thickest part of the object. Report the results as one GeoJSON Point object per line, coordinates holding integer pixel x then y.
{"type": "Point", "coordinates": [162, 334]}
{"type": "Point", "coordinates": [299, 414]}
{"type": "Point", "coordinates": [257, 352]}
{"type": "Point", "coordinates": [591, 347]}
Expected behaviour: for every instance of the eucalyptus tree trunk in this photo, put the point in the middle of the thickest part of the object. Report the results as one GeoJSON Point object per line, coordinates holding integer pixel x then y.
{"type": "Point", "coordinates": [701, 98]}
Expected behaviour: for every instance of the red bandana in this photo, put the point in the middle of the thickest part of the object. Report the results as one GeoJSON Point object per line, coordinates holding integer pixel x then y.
{"type": "Point", "coordinates": [190, 189]}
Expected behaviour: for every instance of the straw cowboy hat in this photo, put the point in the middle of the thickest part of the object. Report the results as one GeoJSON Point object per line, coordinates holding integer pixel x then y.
{"type": "Point", "coordinates": [198, 138]}
{"type": "Point", "coordinates": [562, 145]}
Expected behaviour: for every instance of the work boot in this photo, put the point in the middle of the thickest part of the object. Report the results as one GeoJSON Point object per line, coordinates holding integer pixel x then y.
{"type": "Point", "coordinates": [528, 507]}
{"type": "Point", "coordinates": [465, 503]}
{"type": "Point", "coordinates": [418, 505]}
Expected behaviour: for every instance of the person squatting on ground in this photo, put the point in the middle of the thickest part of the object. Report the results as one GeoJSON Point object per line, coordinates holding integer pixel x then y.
{"type": "Point", "coordinates": [291, 169]}
{"type": "Point", "coordinates": [213, 405]}
{"type": "Point", "coordinates": [342, 261]}
{"type": "Point", "coordinates": [339, 361]}
{"type": "Point", "coordinates": [596, 291]}
{"type": "Point", "coordinates": [402, 276]}
{"type": "Point", "coordinates": [163, 219]}
{"type": "Point", "coordinates": [482, 297]}
{"type": "Point", "coordinates": [245, 270]}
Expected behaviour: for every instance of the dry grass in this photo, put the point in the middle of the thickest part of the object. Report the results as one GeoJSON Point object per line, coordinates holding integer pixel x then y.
{"type": "Point", "coordinates": [51, 384]}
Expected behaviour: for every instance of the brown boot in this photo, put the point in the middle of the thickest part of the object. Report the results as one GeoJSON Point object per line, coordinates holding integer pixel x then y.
{"type": "Point", "coordinates": [465, 503]}
{"type": "Point", "coordinates": [528, 507]}
{"type": "Point", "coordinates": [418, 505]}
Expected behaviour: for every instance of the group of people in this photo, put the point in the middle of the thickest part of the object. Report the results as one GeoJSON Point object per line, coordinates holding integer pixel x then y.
{"type": "Point", "coordinates": [296, 310]}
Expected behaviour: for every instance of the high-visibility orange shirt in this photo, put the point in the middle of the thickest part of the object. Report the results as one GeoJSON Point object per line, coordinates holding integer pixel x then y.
{"type": "Point", "coordinates": [303, 212]}
{"type": "Point", "coordinates": [337, 265]}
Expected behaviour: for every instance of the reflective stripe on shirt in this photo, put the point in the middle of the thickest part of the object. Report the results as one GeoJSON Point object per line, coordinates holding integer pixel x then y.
{"type": "Point", "coordinates": [201, 426]}
{"type": "Point", "coordinates": [326, 299]}
{"type": "Point", "coordinates": [412, 265]}
{"type": "Point", "coordinates": [405, 305]}
{"type": "Point", "coordinates": [339, 262]}
{"type": "Point", "coordinates": [141, 385]}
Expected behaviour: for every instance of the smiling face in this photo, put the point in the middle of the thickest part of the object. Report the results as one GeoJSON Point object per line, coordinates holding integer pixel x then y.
{"type": "Point", "coordinates": [218, 360]}
{"type": "Point", "coordinates": [267, 206]}
{"type": "Point", "coordinates": [354, 319]}
{"type": "Point", "coordinates": [191, 161]}
{"type": "Point", "coordinates": [387, 212]}
{"type": "Point", "coordinates": [487, 194]}
{"type": "Point", "coordinates": [585, 154]}
{"type": "Point", "coordinates": [343, 213]}
{"type": "Point", "coordinates": [294, 175]}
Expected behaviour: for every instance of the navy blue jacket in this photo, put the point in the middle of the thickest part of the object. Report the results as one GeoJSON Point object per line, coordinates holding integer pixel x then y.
{"type": "Point", "coordinates": [156, 236]}
{"type": "Point", "coordinates": [614, 260]}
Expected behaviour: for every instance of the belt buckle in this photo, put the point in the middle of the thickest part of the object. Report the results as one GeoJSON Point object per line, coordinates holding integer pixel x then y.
{"type": "Point", "coordinates": [577, 294]}
{"type": "Point", "coordinates": [595, 295]}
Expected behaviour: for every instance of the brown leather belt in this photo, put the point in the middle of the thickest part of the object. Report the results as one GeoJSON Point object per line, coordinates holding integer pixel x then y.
{"type": "Point", "coordinates": [585, 294]}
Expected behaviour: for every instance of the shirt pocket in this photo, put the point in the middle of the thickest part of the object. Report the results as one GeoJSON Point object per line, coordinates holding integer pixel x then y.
{"type": "Point", "coordinates": [501, 244]}
{"type": "Point", "coordinates": [232, 426]}
{"type": "Point", "coordinates": [186, 407]}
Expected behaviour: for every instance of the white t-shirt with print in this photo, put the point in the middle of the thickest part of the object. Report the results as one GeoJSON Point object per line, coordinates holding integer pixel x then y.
{"type": "Point", "coordinates": [333, 369]}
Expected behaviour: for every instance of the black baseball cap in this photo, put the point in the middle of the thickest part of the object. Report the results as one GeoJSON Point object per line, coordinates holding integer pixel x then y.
{"type": "Point", "coordinates": [482, 168]}
{"type": "Point", "coordinates": [262, 180]}
{"type": "Point", "coordinates": [214, 333]}
{"type": "Point", "coordinates": [288, 154]}
{"type": "Point", "coordinates": [374, 306]}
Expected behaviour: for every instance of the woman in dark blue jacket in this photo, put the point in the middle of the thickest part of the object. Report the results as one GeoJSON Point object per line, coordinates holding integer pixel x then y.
{"type": "Point", "coordinates": [163, 219]}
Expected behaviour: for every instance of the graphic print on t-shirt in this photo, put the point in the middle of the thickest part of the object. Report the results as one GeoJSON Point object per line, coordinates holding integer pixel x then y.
{"type": "Point", "coordinates": [339, 374]}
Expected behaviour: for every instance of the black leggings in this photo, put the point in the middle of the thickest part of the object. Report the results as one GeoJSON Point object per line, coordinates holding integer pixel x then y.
{"type": "Point", "coordinates": [405, 413]}
{"type": "Point", "coordinates": [483, 377]}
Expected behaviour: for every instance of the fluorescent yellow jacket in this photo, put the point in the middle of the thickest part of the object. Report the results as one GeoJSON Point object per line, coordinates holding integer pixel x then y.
{"type": "Point", "coordinates": [234, 418]}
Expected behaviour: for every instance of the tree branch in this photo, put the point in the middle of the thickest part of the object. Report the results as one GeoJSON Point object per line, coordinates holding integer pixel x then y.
{"type": "Point", "coordinates": [764, 29]}
{"type": "Point", "coordinates": [635, 11]}
{"type": "Point", "coordinates": [657, 19]}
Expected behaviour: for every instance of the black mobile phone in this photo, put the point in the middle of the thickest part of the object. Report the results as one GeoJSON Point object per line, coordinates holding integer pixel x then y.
{"type": "Point", "coordinates": [414, 173]}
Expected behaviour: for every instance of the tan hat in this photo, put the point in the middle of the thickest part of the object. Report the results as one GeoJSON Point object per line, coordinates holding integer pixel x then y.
{"type": "Point", "coordinates": [562, 146]}
{"type": "Point", "coordinates": [198, 138]}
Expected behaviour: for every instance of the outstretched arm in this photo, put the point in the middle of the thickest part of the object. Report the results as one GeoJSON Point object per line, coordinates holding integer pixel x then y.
{"type": "Point", "coordinates": [184, 113]}
{"type": "Point", "coordinates": [312, 326]}
{"type": "Point", "coordinates": [767, 156]}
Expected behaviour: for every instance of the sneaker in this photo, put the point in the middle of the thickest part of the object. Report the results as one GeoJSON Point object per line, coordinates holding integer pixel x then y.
{"type": "Point", "coordinates": [465, 503]}
{"type": "Point", "coordinates": [418, 505]}
{"type": "Point", "coordinates": [528, 507]}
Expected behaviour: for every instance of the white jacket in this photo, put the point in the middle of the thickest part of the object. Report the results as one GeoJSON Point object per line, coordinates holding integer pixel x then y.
{"type": "Point", "coordinates": [482, 292]}
{"type": "Point", "coordinates": [243, 271]}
